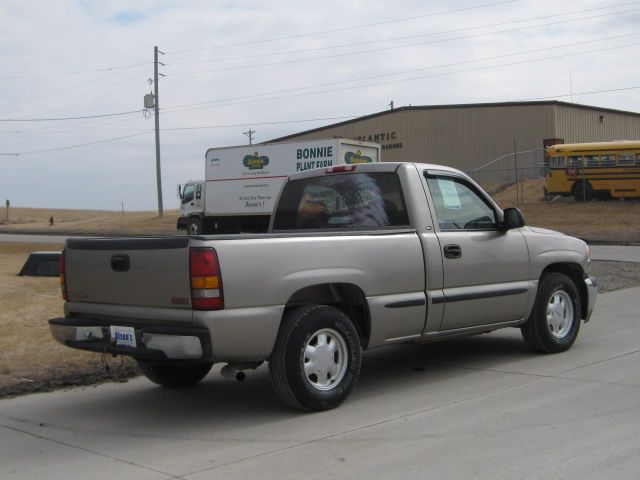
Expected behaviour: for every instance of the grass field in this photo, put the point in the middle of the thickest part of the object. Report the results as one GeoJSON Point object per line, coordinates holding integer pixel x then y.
{"type": "Point", "coordinates": [29, 356]}
{"type": "Point", "coordinates": [87, 221]}
{"type": "Point", "coordinates": [612, 221]}
{"type": "Point", "coordinates": [598, 221]}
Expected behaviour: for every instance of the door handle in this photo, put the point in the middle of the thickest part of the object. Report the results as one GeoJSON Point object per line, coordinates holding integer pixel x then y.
{"type": "Point", "coordinates": [452, 251]}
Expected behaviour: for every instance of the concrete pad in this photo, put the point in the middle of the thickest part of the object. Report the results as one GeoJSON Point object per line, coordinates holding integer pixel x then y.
{"type": "Point", "coordinates": [479, 407]}
{"type": "Point", "coordinates": [616, 253]}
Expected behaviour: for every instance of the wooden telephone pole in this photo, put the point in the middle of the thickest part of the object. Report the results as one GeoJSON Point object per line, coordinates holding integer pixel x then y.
{"type": "Point", "coordinates": [157, 119]}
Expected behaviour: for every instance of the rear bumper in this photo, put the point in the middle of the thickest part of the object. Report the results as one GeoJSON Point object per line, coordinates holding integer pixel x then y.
{"type": "Point", "coordinates": [592, 293]}
{"type": "Point", "coordinates": [166, 342]}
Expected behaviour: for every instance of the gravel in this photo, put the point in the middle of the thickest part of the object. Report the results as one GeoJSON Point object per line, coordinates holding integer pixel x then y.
{"type": "Point", "coordinates": [615, 275]}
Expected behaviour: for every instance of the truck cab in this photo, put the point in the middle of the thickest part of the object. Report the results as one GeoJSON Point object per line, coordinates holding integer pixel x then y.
{"type": "Point", "coordinates": [191, 196]}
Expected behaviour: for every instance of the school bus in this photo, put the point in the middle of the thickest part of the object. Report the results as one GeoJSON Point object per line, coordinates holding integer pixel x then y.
{"type": "Point", "coordinates": [599, 170]}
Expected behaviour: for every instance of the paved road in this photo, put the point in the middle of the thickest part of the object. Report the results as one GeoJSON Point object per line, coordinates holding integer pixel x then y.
{"type": "Point", "coordinates": [10, 237]}
{"type": "Point", "coordinates": [616, 253]}
{"type": "Point", "coordinates": [482, 407]}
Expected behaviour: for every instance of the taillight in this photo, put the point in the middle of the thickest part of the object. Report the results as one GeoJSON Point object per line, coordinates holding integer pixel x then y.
{"type": "Point", "coordinates": [63, 281]}
{"type": "Point", "coordinates": [340, 169]}
{"type": "Point", "coordinates": [206, 282]}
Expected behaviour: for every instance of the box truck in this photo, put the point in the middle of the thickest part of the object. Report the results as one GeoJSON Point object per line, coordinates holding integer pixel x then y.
{"type": "Point", "coordinates": [242, 183]}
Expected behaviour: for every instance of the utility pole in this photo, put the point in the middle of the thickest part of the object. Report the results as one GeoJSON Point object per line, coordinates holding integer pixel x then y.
{"type": "Point", "coordinates": [515, 161]}
{"type": "Point", "coordinates": [390, 105]}
{"type": "Point", "coordinates": [250, 135]}
{"type": "Point", "coordinates": [157, 115]}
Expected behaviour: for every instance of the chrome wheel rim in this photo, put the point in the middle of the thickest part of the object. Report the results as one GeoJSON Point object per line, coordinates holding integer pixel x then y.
{"type": "Point", "coordinates": [325, 359]}
{"type": "Point", "coordinates": [193, 229]}
{"type": "Point", "coordinates": [560, 314]}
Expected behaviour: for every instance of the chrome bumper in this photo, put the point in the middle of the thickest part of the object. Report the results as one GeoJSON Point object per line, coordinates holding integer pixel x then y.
{"type": "Point", "coordinates": [153, 342]}
{"type": "Point", "coordinates": [592, 293]}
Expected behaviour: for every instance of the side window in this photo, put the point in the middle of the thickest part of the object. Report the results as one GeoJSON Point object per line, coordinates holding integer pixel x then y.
{"type": "Point", "coordinates": [592, 160]}
{"type": "Point", "coordinates": [188, 193]}
{"type": "Point", "coordinates": [576, 161]}
{"type": "Point", "coordinates": [557, 162]}
{"type": "Point", "coordinates": [622, 159]}
{"type": "Point", "coordinates": [459, 206]}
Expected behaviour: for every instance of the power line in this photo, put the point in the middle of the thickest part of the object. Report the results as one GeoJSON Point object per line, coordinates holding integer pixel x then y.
{"type": "Point", "coordinates": [353, 117]}
{"type": "Point", "coordinates": [68, 118]}
{"type": "Point", "coordinates": [50, 100]}
{"type": "Point", "coordinates": [420, 77]}
{"type": "Point", "coordinates": [114, 139]}
{"type": "Point", "coordinates": [69, 147]}
{"type": "Point", "coordinates": [20, 134]}
{"type": "Point", "coordinates": [201, 104]}
{"type": "Point", "coordinates": [182, 108]}
{"type": "Point", "coordinates": [370, 77]}
{"type": "Point", "coordinates": [252, 123]}
{"type": "Point", "coordinates": [346, 117]}
{"type": "Point", "coordinates": [372, 42]}
{"type": "Point", "coordinates": [586, 93]}
{"type": "Point", "coordinates": [95, 125]}
{"type": "Point", "coordinates": [396, 47]}
{"type": "Point", "coordinates": [137, 85]}
{"type": "Point", "coordinates": [76, 72]}
{"type": "Point", "coordinates": [341, 29]}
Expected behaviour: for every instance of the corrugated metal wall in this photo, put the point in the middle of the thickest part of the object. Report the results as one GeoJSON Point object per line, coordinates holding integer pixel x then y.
{"type": "Point", "coordinates": [579, 124]}
{"type": "Point", "coordinates": [469, 136]}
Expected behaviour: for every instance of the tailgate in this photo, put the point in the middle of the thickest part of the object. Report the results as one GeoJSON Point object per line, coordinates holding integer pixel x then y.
{"type": "Point", "coordinates": [150, 272]}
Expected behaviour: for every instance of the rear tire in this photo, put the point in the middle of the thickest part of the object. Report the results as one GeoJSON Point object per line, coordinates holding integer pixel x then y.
{"type": "Point", "coordinates": [316, 360]}
{"type": "Point", "coordinates": [177, 375]}
{"type": "Point", "coordinates": [554, 323]}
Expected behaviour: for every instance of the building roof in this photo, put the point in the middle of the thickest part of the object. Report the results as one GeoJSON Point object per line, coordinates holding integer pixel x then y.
{"type": "Point", "coordinates": [456, 106]}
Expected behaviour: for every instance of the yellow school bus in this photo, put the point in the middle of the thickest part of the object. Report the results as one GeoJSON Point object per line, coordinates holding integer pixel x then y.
{"type": "Point", "coordinates": [601, 170]}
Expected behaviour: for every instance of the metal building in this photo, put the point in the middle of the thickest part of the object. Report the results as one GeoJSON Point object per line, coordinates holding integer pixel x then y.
{"type": "Point", "coordinates": [485, 137]}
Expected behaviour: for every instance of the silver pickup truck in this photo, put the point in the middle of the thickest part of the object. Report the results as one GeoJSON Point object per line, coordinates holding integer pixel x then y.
{"type": "Point", "coordinates": [356, 257]}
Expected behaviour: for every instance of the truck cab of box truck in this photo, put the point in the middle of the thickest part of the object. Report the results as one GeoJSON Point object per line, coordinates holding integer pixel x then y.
{"type": "Point", "coordinates": [192, 203]}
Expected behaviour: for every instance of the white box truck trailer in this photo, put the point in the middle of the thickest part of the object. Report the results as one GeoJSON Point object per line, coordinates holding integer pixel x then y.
{"type": "Point", "coordinates": [242, 183]}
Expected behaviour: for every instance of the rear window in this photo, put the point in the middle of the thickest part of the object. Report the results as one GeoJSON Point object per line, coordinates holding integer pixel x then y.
{"type": "Point", "coordinates": [355, 200]}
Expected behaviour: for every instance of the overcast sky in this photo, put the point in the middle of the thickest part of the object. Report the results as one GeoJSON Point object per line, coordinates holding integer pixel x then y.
{"type": "Point", "coordinates": [276, 67]}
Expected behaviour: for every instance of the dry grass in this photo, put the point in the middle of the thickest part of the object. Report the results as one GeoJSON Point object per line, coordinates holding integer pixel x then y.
{"type": "Point", "coordinates": [88, 221]}
{"type": "Point", "coordinates": [30, 359]}
{"type": "Point", "coordinates": [613, 221]}
{"type": "Point", "coordinates": [28, 352]}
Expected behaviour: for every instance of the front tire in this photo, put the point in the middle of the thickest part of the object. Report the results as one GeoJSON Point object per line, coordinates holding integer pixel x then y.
{"type": "Point", "coordinates": [554, 323]}
{"type": "Point", "coordinates": [316, 360]}
{"type": "Point", "coordinates": [175, 376]}
{"type": "Point", "coordinates": [582, 191]}
{"type": "Point", "coordinates": [194, 226]}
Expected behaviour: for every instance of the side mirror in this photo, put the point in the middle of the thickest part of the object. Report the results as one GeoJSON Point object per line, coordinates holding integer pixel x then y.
{"type": "Point", "coordinates": [180, 191]}
{"type": "Point", "coordinates": [513, 218]}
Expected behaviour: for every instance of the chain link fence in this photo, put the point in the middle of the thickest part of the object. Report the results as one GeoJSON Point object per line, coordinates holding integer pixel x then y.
{"type": "Point", "coordinates": [510, 171]}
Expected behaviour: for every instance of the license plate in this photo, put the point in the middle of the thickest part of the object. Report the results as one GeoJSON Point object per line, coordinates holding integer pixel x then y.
{"type": "Point", "coordinates": [124, 336]}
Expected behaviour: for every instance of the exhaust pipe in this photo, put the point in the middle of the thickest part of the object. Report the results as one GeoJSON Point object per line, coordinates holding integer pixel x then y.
{"type": "Point", "coordinates": [235, 370]}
